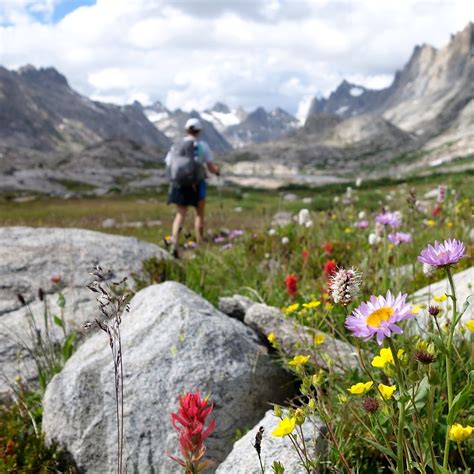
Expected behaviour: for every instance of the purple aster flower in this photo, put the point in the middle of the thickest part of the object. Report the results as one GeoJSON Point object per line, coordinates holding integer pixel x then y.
{"type": "Point", "coordinates": [441, 255]}
{"type": "Point", "coordinates": [379, 317]}
{"type": "Point", "coordinates": [362, 224]}
{"type": "Point", "coordinates": [399, 238]}
{"type": "Point", "coordinates": [235, 233]}
{"type": "Point", "coordinates": [219, 239]}
{"type": "Point", "coordinates": [226, 246]}
{"type": "Point", "coordinates": [392, 219]}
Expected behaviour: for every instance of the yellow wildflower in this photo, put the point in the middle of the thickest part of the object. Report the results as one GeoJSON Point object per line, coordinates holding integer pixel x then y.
{"type": "Point", "coordinates": [440, 298]}
{"type": "Point", "coordinates": [317, 378]}
{"type": "Point", "coordinates": [360, 388]}
{"type": "Point", "coordinates": [459, 433]}
{"type": "Point", "coordinates": [328, 306]}
{"type": "Point", "coordinates": [299, 360]}
{"type": "Point", "coordinates": [449, 224]}
{"type": "Point", "coordinates": [271, 338]}
{"type": "Point", "coordinates": [415, 309]}
{"type": "Point", "coordinates": [285, 427]}
{"type": "Point", "coordinates": [342, 398]}
{"type": "Point", "coordinates": [292, 308]}
{"type": "Point", "coordinates": [319, 339]}
{"type": "Point", "coordinates": [348, 230]}
{"type": "Point", "coordinates": [311, 304]}
{"type": "Point", "coordinates": [385, 358]}
{"type": "Point", "coordinates": [470, 325]}
{"type": "Point", "coordinates": [387, 390]}
{"type": "Point", "coordinates": [430, 222]}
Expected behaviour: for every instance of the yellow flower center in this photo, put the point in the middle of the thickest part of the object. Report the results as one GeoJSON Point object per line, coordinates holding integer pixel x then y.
{"type": "Point", "coordinates": [382, 314]}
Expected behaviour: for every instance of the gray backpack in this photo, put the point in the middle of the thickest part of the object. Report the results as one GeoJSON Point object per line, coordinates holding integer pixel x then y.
{"type": "Point", "coordinates": [184, 170]}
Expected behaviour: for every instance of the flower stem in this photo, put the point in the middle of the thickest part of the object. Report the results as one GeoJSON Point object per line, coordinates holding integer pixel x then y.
{"type": "Point", "coordinates": [449, 376]}
{"type": "Point", "coordinates": [401, 414]}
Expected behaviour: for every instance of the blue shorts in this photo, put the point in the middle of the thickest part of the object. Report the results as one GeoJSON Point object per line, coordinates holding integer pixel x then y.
{"type": "Point", "coordinates": [202, 190]}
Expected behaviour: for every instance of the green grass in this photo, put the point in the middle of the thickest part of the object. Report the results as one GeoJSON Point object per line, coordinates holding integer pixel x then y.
{"type": "Point", "coordinates": [257, 263]}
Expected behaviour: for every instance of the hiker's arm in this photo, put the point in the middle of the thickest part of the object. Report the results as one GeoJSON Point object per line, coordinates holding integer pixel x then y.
{"type": "Point", "coordinates": [213, 168]}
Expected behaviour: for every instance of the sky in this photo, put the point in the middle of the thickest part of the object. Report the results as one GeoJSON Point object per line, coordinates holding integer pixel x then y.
{"type": "Point", "coordinates": [193, 53]}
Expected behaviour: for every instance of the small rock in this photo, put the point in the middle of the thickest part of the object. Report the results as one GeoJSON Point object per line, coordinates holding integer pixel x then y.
{"type": "Point", "coordinates": [433, 194]}
{"type": "Point", "coordinates": [281, 219]}
{"type": "Point", "coordinates": [290, 197]}
{"type": "Point", "coordinates": [292, 336]}
{"type": "Point", "coordinates": [307, 200]}
{"type": "Point", "coordinates": [108, 223]}
{"type": "Point", "coordinates": [463, 282]}
{"type": "Point", "coordinates": [243, 458]}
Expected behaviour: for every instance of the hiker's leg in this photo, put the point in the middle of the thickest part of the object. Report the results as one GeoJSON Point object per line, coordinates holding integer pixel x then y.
{"type": "Point", "coordinates": [199, 220]}
{"type": "Point", "coordinates": [178, 223]}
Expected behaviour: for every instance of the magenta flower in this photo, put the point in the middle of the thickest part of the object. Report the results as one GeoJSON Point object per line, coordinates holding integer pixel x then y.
{"type": "Point", "coordinates": [392, 219]}
{"type": "Point", "coordinates": [442, 255]}
{"type": "Point", "coordinates": [399, 238]}
{"type": "Point", "coordinates": [379, 317]}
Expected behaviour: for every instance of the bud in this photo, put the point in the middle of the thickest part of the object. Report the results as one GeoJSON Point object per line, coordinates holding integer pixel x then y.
{"type": "Point", "coordinates": [434, 310]}
{"type": "Point", "coordinates": [312, 404]}
{"type": "Point", "coordinates": [370, 404]}
{"type": "Point", "coordinates": [277, 411]}
{"type": "Point", "coordinates": [299, 416]}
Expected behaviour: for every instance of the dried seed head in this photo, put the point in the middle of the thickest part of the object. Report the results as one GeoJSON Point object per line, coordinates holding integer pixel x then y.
{"type": "Point", "coordinates": [370, 404]}
{"type": "Point", "coordinates": [424, 357]}
{"type": "Point", "coordinates": [41, 294]}
{"type": "Point", "coordinates": [345, 286]}
{"type": "Point", "coordinates": [434, 310]}
{"type": "Point", "coordinates": [258, 440]}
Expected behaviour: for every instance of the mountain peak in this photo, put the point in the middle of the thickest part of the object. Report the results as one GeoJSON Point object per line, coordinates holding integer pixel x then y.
{"type": "Point", "coordinates": [43, 75]}
{"type": "Point", "coordinates": [219, 107]}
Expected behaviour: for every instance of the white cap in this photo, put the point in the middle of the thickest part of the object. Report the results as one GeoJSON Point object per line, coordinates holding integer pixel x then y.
{"type": "Point", "coordinates": [193, 123]}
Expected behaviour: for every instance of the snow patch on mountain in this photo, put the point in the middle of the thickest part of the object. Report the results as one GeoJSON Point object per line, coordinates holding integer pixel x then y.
{"type": "Point", "coordinates": [356, 91]}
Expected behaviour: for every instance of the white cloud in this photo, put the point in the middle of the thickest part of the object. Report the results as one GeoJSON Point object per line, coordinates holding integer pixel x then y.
{"type": "Point", "coordinates": [190, 54]}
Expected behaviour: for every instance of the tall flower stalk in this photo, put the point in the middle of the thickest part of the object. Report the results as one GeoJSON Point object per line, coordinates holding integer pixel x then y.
{"type": "Point", "coordinates": [111, 307]}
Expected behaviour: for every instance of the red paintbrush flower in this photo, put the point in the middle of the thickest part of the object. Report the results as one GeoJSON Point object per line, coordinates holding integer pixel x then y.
{"type": "Point", "coordinates": [328, 248]}
{"type": "Point", "coordinates": [438, 209]}
{"type": "Point", "coordinates": [192, 414]}
{"type": "Point", "coordinates": [329, 270]}
{"type": "Point", "coordinates": [291, 283]}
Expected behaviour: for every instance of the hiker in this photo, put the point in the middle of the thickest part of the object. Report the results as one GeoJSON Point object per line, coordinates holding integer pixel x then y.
{"type": "Point", "coordinates": [186, 165]}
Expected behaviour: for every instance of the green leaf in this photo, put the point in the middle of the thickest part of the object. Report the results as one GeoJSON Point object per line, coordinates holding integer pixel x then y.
{"type": "Point", "coordinates": [58, 321]}
{"type": "Point", "coordinates": [381, 448]}
{"type": "Point", "coordinates": [460, 399]}
{"type": "Point", "coordinates": [61, 301]}
{"type": "Point", "coordinates": [68, 346]}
